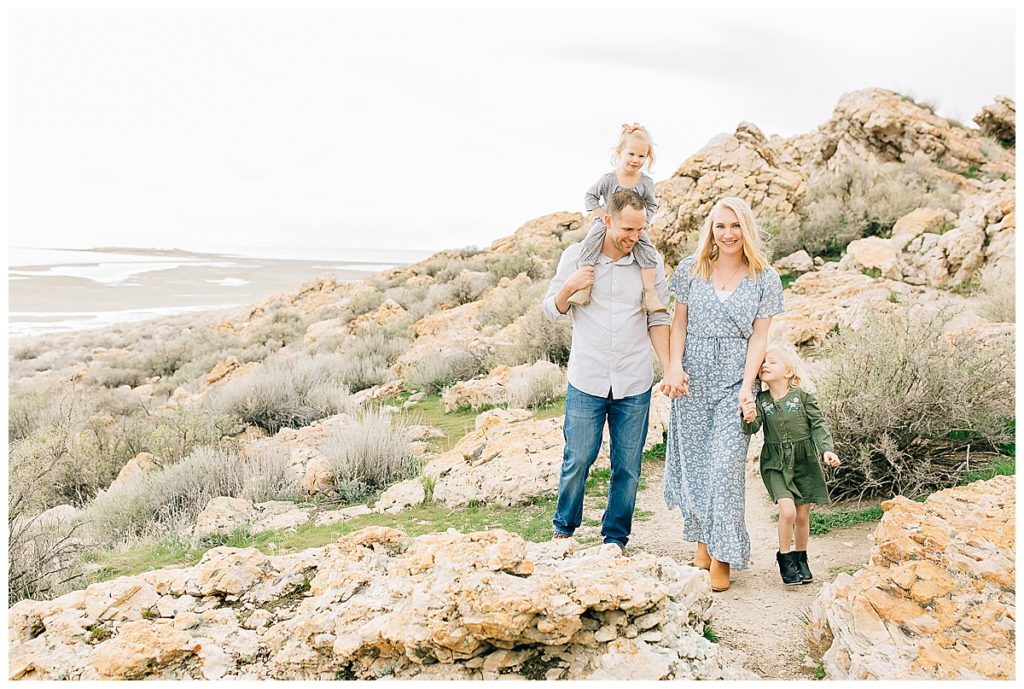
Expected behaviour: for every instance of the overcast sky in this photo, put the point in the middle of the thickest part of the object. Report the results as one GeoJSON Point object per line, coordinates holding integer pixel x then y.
{"type": "Point", "coordinates": [438, 129]}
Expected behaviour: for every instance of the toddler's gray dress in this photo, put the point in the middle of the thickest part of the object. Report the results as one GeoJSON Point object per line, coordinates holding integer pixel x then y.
{"type": "Point", "coordinates": [597, 195]}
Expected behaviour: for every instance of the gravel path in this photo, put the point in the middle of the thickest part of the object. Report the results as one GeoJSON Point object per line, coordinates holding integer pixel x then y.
{"type": "Point", "coordinates": [758, 617]}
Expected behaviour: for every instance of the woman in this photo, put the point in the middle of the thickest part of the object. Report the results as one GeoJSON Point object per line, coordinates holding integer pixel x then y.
{"type": "Point", "coordinates": [726, 295]}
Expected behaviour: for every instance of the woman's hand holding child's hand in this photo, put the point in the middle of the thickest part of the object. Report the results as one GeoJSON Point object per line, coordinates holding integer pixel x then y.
{"type": "Point", "coordinates": [832, 459]}
{"type": "Point", "coordinates": [749, 410]}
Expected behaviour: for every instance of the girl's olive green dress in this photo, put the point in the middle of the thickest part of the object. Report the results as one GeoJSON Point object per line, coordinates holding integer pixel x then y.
{"type": "Point", "coordinates": [795, 438]}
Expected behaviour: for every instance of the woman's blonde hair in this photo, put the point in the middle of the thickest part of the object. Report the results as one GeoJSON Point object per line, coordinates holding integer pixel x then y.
{"type": "Point", "coordinates": [791, 360]}
{"type": "Point", "coordinates": [640, 132]}
{"type": "Point", "coordinates": [750, 236]}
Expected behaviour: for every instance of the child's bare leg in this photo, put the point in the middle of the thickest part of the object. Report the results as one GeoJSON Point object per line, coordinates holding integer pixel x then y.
{"type": "Point", "coordinates": [787, 515]}
{"type": "Point", "coordinates": [803, 526]}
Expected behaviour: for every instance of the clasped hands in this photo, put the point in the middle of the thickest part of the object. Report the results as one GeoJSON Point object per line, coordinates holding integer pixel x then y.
{"type": "Point", "coordinates": [675, 383]}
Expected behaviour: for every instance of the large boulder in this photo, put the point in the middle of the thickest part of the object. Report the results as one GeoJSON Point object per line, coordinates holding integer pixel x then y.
{"type": "Point", "coordinates": [937, 599]}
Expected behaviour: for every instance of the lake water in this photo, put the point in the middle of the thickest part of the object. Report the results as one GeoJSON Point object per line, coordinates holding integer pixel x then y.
{"type": "Point", "coordinates": [57, 290]}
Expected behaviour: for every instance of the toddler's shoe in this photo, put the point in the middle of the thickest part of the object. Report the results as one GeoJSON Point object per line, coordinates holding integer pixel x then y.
{"type": "Point", "coordinates": [580, 297]}
{"type": "Point", "coordinates": [801, 566]}
{"type": "Point", "coordinates": [651, 303]}
{"type": "Point", "coordinates": [787, 568]}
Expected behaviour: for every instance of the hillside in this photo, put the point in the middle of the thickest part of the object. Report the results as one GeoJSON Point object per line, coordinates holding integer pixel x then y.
{"type": "Point", "coordinates": [430, 397]}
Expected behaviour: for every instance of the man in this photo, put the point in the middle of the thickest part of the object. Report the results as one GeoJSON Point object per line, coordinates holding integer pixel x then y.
{"type": "Point", "coordinates": [610, 367]}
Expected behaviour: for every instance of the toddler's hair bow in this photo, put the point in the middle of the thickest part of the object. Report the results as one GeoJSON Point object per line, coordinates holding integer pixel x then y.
{"type": "Point", "coordinates": [630, 128]}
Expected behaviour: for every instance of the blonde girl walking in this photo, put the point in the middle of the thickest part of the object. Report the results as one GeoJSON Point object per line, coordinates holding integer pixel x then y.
{"type": "Point", "coordinates": [633, 153]}
{"type": "Point", "coordinates": [796, 438]}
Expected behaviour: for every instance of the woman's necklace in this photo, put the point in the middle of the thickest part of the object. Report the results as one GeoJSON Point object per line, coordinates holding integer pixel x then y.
{"type": "Point", "coordinates": [726, 283]}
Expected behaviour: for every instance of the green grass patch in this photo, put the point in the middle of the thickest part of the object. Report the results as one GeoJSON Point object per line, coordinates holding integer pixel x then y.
{"type": "Point", "coordinates": [872, 272]}
{"type": "Point", "coordinates": [788, 280]}
{"type": "Point", "coordinates": [998, 467]}
{"type": "Point", "coordinates": [655, 454]}
{"type": "Point", "coordinates": [532, 522]}
{"type": "Point", "coordinates": [823, 523]}
{"type": "Point", "coordinates": [456, 424]}
{"type": "Point", "coordinates": [972, 172]}
{"type": "Point", "coordinates": [819, 672]}
{"type": "Point", "coordinates": [709, 633]}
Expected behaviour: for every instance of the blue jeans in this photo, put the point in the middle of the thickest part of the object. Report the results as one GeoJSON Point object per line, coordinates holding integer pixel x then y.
{"type": "Point", "coordinates": [584, 423]}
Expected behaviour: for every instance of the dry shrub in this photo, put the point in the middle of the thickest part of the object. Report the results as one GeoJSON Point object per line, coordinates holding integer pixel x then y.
{"type": "Point", "coordinates": [862, 199]}
{"type": "Point", "coordinates": [535, 388]}
{"type": "Point", "coordinates": [998, 293]}
{"type": "Point", "coordinates": [904, 405]}
{"type": "Point", "coordinates": [469, 286]}
{"type": "Point", "coordinates": [39, 554]}
{"type": "Point", "coordinates": [511, 265]}
{"type": "Point", "coordinates": [441, 369]}
{"type": "Point", "coordinates": [364, 302]}
{"type": "Point", "coordinates": [508, 304]}
{"type": "Point", "coordinates": [538, 338]}
{"type": "Point", "coordinates": [290, 393]}
{"type": "Point", "coordinates": [168, 500]}
{"type": "Point", "coordinates": [370, 455]}
{"type": "Point", "coordinates": [284, 325]}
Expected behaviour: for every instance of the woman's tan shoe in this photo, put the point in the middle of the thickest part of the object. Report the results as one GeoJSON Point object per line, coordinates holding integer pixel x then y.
{"type": "Point", "coordinates": [719, 575]}
{"type": "Point", "coordinates": [701, 560]}
{"type": "Point", "coordinates": [580, 297]}
{"type": "Point", "coordinates": [651, 303]}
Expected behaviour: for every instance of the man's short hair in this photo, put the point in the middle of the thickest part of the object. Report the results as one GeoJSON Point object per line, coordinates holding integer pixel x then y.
{"type": "Point", "coordinates": [623, 198]}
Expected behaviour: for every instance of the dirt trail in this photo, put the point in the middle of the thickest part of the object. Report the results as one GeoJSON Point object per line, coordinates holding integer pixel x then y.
{"type": "Point", "coordinates": [759, 617]}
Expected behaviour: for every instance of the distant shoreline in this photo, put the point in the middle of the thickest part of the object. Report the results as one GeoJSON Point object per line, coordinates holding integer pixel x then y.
{"type": "Point", "coordinates": [95, 288]}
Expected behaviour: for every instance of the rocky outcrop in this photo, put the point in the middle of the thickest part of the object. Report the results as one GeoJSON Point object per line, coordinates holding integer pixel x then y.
{"type": "Point", "coordinates": [938, 597]}
{"type": "Point", "coordinates": [302, 446]}
{"type": "Point", "coordinates": [378, 604]}
{"type": "Point", "coordinates": [877, 125]}
{"type": "Point", "coordinates": [387, 313]}
{"type": "Point", "coordinates": [742, 164]}
{"type": "Point", "coordinates": [999, 120]}
{"type": "Point", "coordinates": [821, 300]}
{"type": "Point", "coordinates": [223, 372]}
{"type": "Point", "coordinates": [507, 460]}
{"type": "Point", "coordinates": [495, 388]}
{"type": "Point", "coordinates": [872, 126]}
{"type": "Point", "coordinates": [939, 248]}
{"type": "Point", "coordinates": [223, 515]}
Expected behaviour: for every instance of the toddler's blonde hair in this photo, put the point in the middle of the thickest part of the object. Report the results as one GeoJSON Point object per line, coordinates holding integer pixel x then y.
{"type": "Point", "coordinates": [640, 132]}
{"type": "Point", "coordinates": [791, 360]}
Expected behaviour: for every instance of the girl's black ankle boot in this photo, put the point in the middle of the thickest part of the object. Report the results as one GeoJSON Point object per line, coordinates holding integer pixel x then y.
{"type": "Point", "coordinates": [801, 565]}
{"type": "Point", "coordinates": [787, 568]}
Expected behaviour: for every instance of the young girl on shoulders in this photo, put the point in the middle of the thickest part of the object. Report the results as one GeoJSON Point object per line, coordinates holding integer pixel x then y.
{"type": "Point", "coordinates": [633, 153]}
{"type": "Point", "coordinates": [796, 438]}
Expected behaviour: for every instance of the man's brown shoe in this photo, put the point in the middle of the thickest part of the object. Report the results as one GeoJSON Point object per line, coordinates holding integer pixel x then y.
{"type": "Point", "coordinates": [701, 560]}
{"type": "Point", "coordinates": [719, 575]}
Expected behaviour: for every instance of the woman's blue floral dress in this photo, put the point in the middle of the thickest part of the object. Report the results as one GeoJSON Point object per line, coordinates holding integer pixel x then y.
{"type": "Point", "coordinates": [706, 453]}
